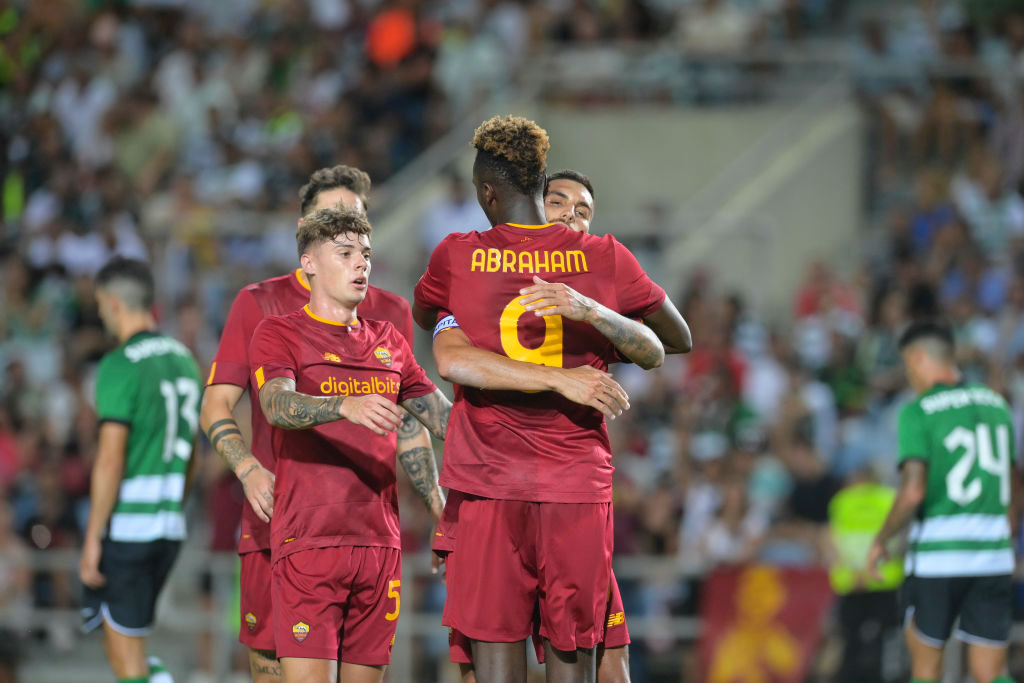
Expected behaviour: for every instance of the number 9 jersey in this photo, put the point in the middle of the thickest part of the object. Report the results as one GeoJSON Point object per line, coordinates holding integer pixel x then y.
{"type": "Point", "coordinates": [964, 435]}
{"type": "Point", "coordinates": [531, 446]}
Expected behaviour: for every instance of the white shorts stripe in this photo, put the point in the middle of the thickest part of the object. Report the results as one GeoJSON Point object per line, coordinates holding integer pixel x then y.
{"type": "Point", "coordinates": [137, 527]}
{"type": "Point", "coordinates": [153, 488]}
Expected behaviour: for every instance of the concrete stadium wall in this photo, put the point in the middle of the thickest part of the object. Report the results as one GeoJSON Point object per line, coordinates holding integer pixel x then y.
{"type": "Point", "coordinates": [795, 203]}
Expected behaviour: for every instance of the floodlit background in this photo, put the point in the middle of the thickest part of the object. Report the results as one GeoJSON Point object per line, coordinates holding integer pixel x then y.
{"type": "Point", "coordinates": [802, 176]}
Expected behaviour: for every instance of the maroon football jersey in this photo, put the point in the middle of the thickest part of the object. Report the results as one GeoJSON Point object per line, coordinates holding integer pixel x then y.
{"type": "Point", "coordinates": [335, 484]}
{"type": "Point", "coordinates": [531, 446]}
{"type": "Point", "coordinates": [277, 295]}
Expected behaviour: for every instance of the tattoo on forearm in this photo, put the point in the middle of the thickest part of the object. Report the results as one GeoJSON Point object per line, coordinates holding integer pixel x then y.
{"type": "Point", "coordinates": [248, 470]}
{"type": "Point", "coordinates": [226, 439]}
{"type": "Point", "coordinates": [418, 463]}
{"type": "Point", "coordinates": [219, 436]}
{"type": "Point", "coordinates": [409, 427]}
{"type": "Point", "coordinates": [286, 408]}
{"type": "Point", "coordinates": [640, 348]}
{"type": "Point", "coordinates": [432, 410]}
{"type": "Point", "coordinates": [226, 422]}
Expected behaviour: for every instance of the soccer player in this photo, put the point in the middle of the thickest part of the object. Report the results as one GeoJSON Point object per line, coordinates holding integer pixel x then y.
{"type": "Point", "coordinates": [328, 383]}
{"type": "Point", "coordinates": [533, 470]}
{"type": "Point", "coordinates": [569, 199]}
{"type": "Point", "coordinates": [958, 483]}
{"type": "Point", "coordinates": [147, 399]}
{"type": "Point", "coordinates": [228, 380]}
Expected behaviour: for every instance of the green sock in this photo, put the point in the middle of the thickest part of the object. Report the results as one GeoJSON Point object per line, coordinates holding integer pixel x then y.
{"type": "Point", "coordinates": [1003, 679]}
{"type": "Point", "coordinates": [139, 679]}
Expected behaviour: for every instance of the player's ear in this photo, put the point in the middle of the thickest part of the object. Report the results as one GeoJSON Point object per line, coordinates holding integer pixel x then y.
{"type": "Point", "coordinates": [487, 194]}
{"type": "Point", "coordinates": [306, 261]}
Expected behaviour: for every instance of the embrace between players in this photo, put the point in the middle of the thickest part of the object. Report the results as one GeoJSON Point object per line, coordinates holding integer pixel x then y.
{"type": "Point", "coordinates": [526, 532]}
{"type": "Point", "coordinates": [527, 529]}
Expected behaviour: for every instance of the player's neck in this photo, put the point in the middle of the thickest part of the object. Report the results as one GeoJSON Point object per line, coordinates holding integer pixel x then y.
{"type": "Point", "coordinates": [131, 324]}
{"type": "Point", "coordinates": [945, 377]}
{"type": "Point", "coordinates": [523, 210]}
{"type": "Point", "coordinates": [326, 308]}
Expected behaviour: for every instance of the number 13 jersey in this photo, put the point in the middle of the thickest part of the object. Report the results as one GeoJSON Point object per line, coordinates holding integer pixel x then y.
{"type": "Point", "coordinates": [964, 435]}
{"type": "Point", "coordinates": [531, 446]}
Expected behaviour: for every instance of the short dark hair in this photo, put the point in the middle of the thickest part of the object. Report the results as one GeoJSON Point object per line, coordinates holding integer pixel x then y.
{"type": "Point", "coordinates": [575, 176]}
{"type": "Point", "coordinates": [514, 149]}
{"type": "Point", "coordinates": [131, 279]}
{"type": "Point", "coordinates": [349, 177]}
{"type": "Point", "coordinates": [326, 224]}
{"type": "Point", "coordinates": [930, 329]}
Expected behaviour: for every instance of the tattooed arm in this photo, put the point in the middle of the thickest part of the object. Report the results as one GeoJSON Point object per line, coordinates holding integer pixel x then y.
{"type": "Point", "coordinates": [432, 410]}
{"type": "Point", "coordinates": [218, 423]}
{"type": "Point", "coordinates": [288, 409]}
{"type": "Point", "coordinates": [416, 456]}
{"type": "Point", "coordinates": [634, 340]}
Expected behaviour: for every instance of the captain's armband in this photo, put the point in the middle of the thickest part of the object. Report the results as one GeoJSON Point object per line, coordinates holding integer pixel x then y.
{"type": "Point", "coordinates": [446, 323]}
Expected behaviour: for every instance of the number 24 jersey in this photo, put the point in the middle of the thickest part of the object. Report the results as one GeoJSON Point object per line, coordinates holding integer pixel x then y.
{"type": "Point", "coordinates": [964, 435]}
{"type": "Point", "coordinates": [531, 446]}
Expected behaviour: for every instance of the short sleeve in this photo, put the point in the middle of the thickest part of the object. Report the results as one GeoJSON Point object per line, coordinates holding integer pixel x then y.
{"type": "Point", "coordinates": [405, 325]}
{"type": "Point", "coordinates": [638, 294]}
{"type": "Point", "coordinates": [913, 438]}
{"type": "Point", "coordinates": [116, 389]}
{"type": "Point", "coordinates": [231, 364]}
{"type": "Point", "coordinates": [431, 291]}
{"type": "Point", "coordinates": [415, 382]}
{"type": "Point", "coordinates": [270, 353]}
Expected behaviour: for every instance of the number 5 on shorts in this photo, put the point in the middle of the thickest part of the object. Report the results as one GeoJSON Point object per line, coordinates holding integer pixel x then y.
{"type": "Point", "coordinates": [393, 587]}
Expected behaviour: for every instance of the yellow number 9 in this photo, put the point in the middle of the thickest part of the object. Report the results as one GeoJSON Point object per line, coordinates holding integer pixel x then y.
{"type": "Point", "coordinates": [393, 587]}
{"type": "Point", "coordinates": [550, 350]}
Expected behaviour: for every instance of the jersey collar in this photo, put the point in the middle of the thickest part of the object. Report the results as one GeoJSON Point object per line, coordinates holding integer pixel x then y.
{"type": "Point", "coordinates": [300, 280]}
{"type": "Point", "coordinates": [354, 325]}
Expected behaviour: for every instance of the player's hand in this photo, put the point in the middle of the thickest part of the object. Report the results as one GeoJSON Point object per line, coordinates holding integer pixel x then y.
{"type": "Point", "coordinates": [373, 411]}
{"type": "Point", "coordinates": [437, 565]}
{"type": "Point", "coordinates": [89, 564]}
{"type": "Point", "coordinates": [876, 556]}
{"type": "Point", "coordinates": [258, 485]}
{"type": "Point", "coordinates": [589, 386]}
{"type": "Point", "coordinates": [555, 298]}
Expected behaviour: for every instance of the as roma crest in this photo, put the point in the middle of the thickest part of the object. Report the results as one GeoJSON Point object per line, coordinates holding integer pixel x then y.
{"type": "Point", "coordinates": [383, 355]}
{"type": "Point", "coordinates": [300, 631]}
{"type": "Point", "coordinates": [250, 621]}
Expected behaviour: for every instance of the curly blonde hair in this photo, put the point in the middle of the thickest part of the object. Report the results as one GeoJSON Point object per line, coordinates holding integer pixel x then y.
{"type": "Point", "coordinates": [516, 149]}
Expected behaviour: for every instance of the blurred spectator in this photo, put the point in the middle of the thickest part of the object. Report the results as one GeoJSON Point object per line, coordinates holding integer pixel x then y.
{"type": "Point", "coordinates": [456, 211]}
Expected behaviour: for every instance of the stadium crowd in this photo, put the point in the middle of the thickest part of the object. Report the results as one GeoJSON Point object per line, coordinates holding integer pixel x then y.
{"type": "Point", "coordinates": [132, 128]}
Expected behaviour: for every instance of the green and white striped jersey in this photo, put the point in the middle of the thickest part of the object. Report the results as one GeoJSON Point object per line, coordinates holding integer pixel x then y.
{"type": "Point", "coordinates": [965, 436]}
{"type": "Point", "coordinates": [151, 384]}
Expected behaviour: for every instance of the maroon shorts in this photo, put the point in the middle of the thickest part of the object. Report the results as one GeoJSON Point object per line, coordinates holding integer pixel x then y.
{"type": "Point", "coordinates": [512, 558]}
{"type": "Point", "coordinates": [338, 603]}
{"type": "Point", "coordinates": [444, 535]}
{"type": "Point", "coordinates": [615, 632]}
{"type": "Point", "coordinates": [257, 610]}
